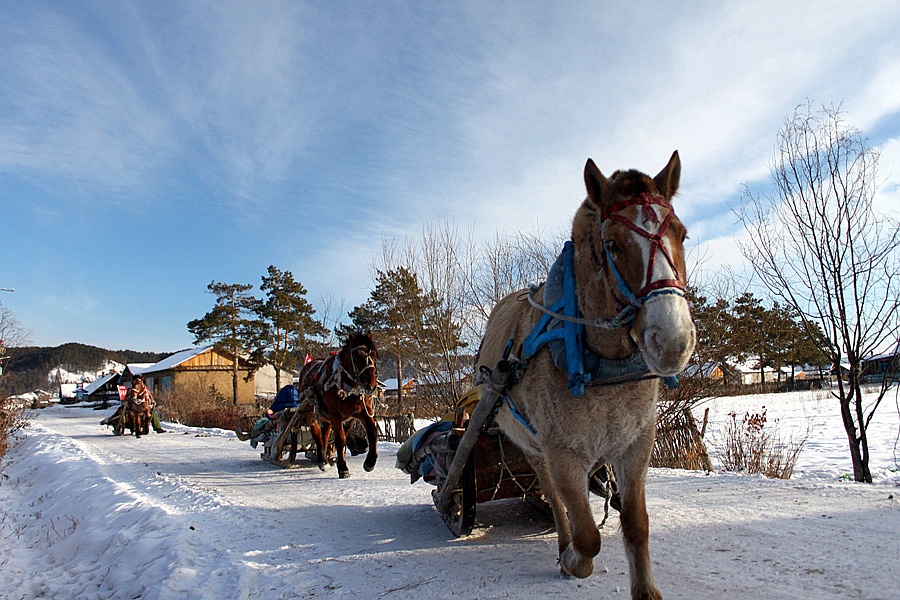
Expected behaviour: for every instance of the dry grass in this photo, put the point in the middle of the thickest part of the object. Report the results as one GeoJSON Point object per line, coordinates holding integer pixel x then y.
{"type": "Point", "coordinates": [198, 405]}
{"type": "Point", "coordinates": [12, 419]}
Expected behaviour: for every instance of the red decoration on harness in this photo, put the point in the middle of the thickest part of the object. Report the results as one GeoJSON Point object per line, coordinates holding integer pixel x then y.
{"type": "Point", "coordinates": [647, 201]}
{"type": "Point", "coordinates": [649, 212]}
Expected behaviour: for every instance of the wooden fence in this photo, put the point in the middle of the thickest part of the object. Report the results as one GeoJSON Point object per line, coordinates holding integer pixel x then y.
{"type": "Point", "coordinates": [679, 443]}
{"type": "Point", "coordinates": [395, 428]}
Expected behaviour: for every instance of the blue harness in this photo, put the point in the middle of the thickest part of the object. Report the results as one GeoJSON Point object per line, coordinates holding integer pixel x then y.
{"type": "Point", "coordinates": [565, 338]}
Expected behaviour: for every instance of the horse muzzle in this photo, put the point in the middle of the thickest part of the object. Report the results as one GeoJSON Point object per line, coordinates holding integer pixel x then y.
{"type": "Point", "coordinates": [667, 335]}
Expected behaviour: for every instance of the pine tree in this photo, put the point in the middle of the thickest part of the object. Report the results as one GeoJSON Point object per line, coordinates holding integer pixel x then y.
{"type": "Point", "coordinates": [230, 324]}
{"type": "Point", "coordinates": [288, 322]}
{"type": "Point", "coordinates": [749, 329]}
{"type": "Point", "coordinates": [397, 311]}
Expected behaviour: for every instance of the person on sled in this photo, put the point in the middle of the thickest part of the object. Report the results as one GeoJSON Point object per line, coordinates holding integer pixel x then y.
{"type": "Point", "coordinates": [138, 391]}
{"type": "Point", "coordinates": [287, 397]}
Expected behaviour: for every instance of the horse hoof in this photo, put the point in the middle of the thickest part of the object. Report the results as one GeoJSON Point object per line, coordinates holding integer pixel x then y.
{"type": "Point", "coordinates": [344, 474]}
{"type": "Point", "coordinates": [572, 563]}
{"type": "Point", "coordinates": [322, 466]}
{"type": "Point", "coordinates": [369, 467]}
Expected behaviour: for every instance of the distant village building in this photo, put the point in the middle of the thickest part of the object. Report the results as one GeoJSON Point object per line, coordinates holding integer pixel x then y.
{"type": "Point", "coordinates": [132, 369]}
{"type": "Point", "coordinates": [706, 371]}
{"type": "Point", "coordinates": [749, 373]}
{"type": "Point", "coordinates": [876, 369]}
{"type": "Point", "coordinates": [264, 382]}
{"type": "Point", "coordinates": [103, 389]}
{"type": "Point", "coordinates": [200, 370]}
{"type": "Point", "coordinates": [67, 391]}
{"type": "Point", "coordinates": [391, 387]}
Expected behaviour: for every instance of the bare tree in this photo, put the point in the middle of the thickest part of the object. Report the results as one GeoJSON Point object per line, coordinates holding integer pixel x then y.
{"type": "Point", "coordinates": [332, 309]}
{"type": "Point", "coordinates": [818, 245]}
{"type": "Point", "coordinates": [503, 265]}
{"type": "Point", "coordinates": [11, 331]}
{"type": "Point", "coordinates": [424, 275]}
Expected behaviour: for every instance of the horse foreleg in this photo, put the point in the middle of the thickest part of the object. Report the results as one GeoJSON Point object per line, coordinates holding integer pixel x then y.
{"type": "Point", "coordinates": [372, 439]}
{"type": "Point", "coordinates": [548, 487]}
{"type": "Point", "coordinates": [636, 529]}
{"type": "Point", "coordinates": [316, 431]}
{"type": "Point", "coordinates": [570, 481]}
{"type": "Point", "coordinates": [340, 443]}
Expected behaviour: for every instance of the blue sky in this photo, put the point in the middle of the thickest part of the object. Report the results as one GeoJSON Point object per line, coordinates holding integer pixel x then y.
{"type": "Point", "coordinates": [148, 148]}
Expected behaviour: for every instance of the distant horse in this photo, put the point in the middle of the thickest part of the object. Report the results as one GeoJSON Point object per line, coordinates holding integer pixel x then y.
{"type": "Point", "coordinates": [136, 416]}
{"type": "Point", "coordinates": [340, 388]}
{"type": "Point", "coordinates": [614, 304]}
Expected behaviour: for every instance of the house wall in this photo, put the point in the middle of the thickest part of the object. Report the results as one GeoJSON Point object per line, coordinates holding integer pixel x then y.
{"type": "Point", "coordinates": [750, 378]}
{"type": "Point", "coordinates": [200, 382]}
{"type": "Point", "coordinates": [264, 381]}
{"type": "Point", "coordinates": [221, 380]}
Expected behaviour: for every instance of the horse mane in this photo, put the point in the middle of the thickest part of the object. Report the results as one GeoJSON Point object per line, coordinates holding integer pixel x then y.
{"type": "Point", "coordinates": [620, 184]}
{"type": "Point", "coordinates": [631, 183]}
{"type": "Point", "coordinates": [360, 338]}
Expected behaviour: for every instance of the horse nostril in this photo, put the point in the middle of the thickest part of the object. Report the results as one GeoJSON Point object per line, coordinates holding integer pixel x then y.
{"type": "Point", "coordinates": [652, 342]}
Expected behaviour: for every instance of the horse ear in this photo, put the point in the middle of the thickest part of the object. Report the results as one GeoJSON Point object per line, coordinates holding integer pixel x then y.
{"type": "Point", "coordinates": [595, 183]}
{"type": "Point", "coordinates": [667, 180]}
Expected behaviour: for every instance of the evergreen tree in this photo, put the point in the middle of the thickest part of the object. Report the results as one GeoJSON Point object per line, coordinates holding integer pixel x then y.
{"type": "Point", "coordinates": [714, 324]}
{"type": "Point", "coordinates": [397, 311]}
{"type": "Point", "coordinates": [749, 331]}
{"type": "Point", "coordinates": [230, 324]}
{"type": "Point", "coordinates": [288, 322]}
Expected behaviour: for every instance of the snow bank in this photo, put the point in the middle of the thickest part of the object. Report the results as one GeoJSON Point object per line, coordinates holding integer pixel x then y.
{"type": "Point", "coordinates": [196, 514]}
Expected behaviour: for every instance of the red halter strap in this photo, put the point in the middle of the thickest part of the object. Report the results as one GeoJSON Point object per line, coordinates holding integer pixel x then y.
{"type": "Point", "coordinates": [646, 201]}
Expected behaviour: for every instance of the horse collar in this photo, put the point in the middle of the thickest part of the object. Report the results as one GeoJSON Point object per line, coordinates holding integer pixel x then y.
{"type": "Point", "coordinates": [562, 329]}
{"type": "Point", "coordinates": [347, 384]}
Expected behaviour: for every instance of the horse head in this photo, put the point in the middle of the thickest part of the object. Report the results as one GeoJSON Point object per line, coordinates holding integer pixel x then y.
{"type": "Point", "coordinates": [359, 358]}
{"type": "Point", "coordinates": [636, 246]}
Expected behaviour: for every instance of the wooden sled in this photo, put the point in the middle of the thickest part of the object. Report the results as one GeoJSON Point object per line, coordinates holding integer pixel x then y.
{"type": "Point", "coordinates": [290, 436]}
{"type": "Point", "coordinates": [294, 437]}
{"type": "Point", "coordinates": [486, 466]}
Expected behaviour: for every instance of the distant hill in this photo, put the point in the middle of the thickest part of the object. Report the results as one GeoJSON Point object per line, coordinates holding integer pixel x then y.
{"type": "Point", "coordinates": [29, 368]}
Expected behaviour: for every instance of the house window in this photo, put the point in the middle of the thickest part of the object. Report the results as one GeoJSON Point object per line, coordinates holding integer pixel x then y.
{"type": "Point", "coordinates": [165, 383]}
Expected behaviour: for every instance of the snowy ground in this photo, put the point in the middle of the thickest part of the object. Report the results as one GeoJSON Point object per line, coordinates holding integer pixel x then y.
{"type": "Point", "coordinates": [197, 514]}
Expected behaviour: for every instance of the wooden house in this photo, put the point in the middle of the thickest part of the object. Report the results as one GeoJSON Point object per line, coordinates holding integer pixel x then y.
{"type": "Point", "coordinates": [705, 371]}
{"type": "Point", "coordinates": [132, 369]}
{"type": "Point", "coordinates": [200, 371]}
{"type": "Point", "coordinates": [103, 389]}
{"type": "Point", "coordinates": [391, 387]}
{"type": "Point", "coordinates": [264, 383]}
{"type": "Point", "coordinates": [442, 384]}
{"type": "Point", "coordinates": [877, 369]}
{"type": "Point", "coordinates": [749, 373]}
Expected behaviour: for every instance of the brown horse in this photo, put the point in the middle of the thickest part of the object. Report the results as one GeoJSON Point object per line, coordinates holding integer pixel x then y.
{"type": "Point", "coordinates": [136, 415]}
{"type": "Point", "coordinates": [627, 266]}
{"type": "Point", "coordinates": [340, 388]}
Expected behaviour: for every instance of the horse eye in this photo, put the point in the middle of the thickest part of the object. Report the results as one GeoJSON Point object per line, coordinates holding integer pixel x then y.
{"type": "Point", "coordinates": [613, 247]}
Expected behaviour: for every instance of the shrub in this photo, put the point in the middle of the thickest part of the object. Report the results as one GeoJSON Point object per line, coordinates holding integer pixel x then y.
{"type": "Point", "coordinates": [12, 419]}
{"type": "Point", "coordinates": [198, 406]}
{"type": "Point", "coordinates": [749, 446]}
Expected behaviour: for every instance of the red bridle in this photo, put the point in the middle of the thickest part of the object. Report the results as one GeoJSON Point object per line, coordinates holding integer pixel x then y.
{"type": "Point", "coordinates": [646, 202]}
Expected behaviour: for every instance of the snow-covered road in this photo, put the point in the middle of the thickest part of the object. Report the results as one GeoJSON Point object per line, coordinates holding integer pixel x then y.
{"type": "Point", "coordinates": [197, 514]}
